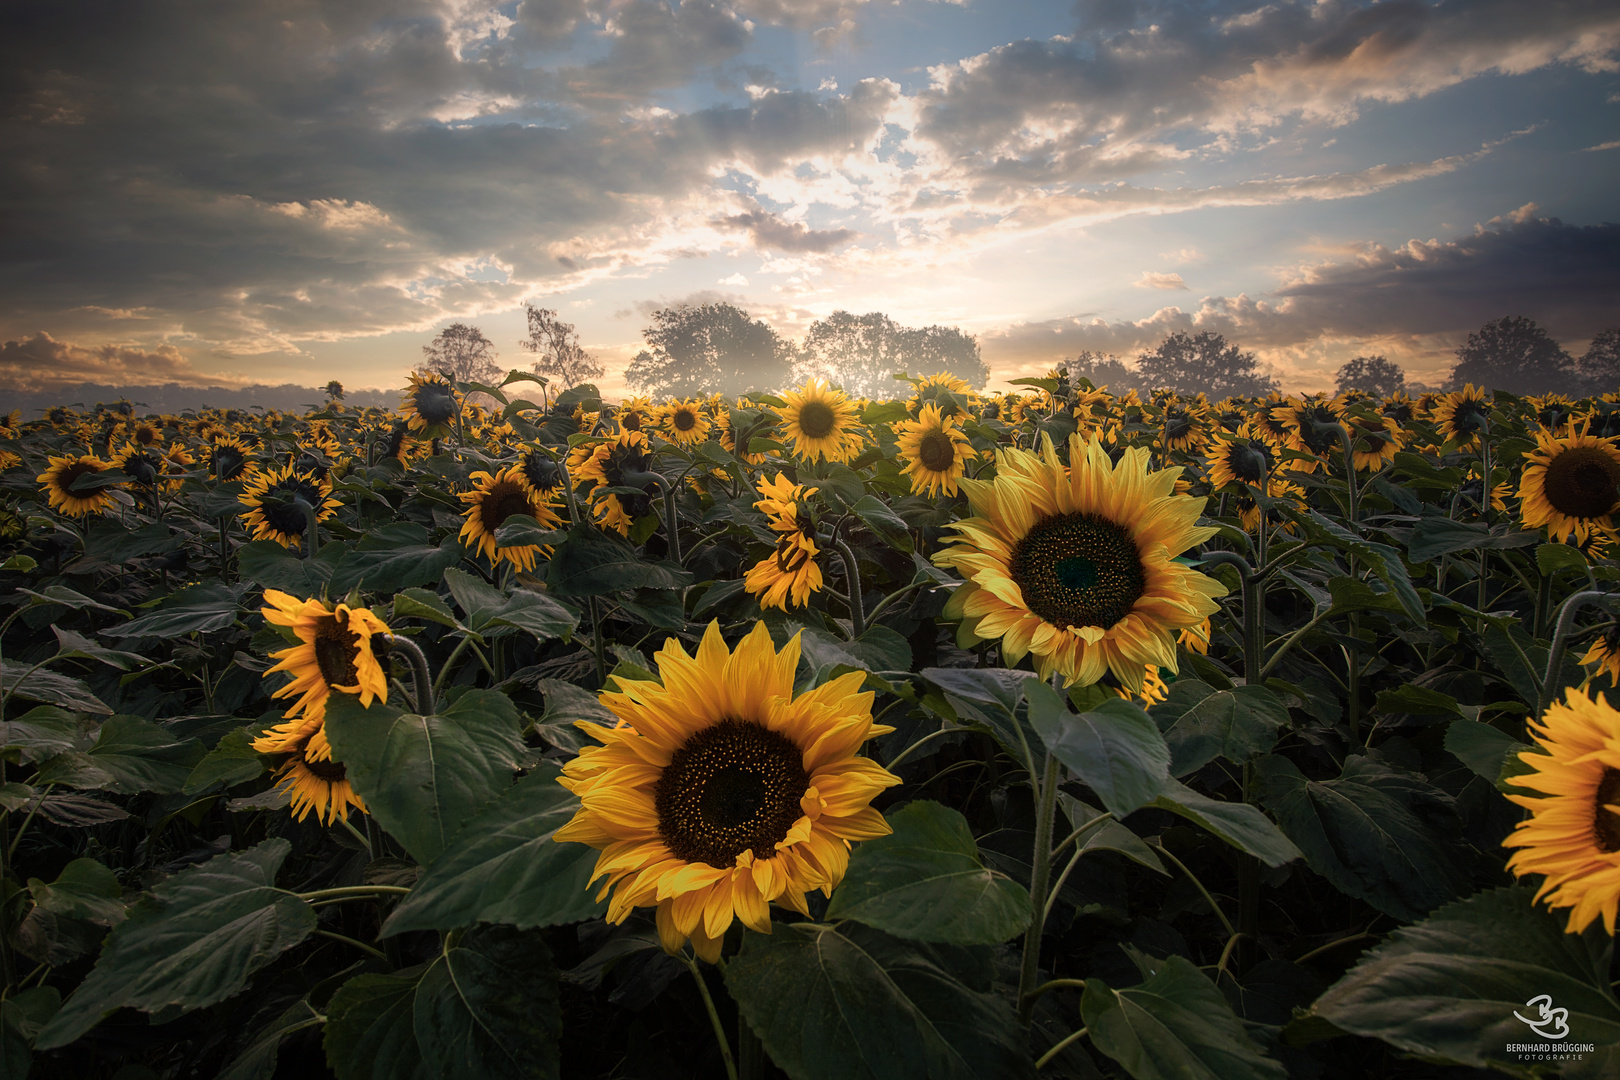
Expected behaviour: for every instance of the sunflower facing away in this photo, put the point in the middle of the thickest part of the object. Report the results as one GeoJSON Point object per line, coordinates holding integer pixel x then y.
{"type": "Point", "coordinates": [1570, 485]}
{"type": "Point", "coordinates": [335, 651]}
{"type": "Point", "coordinates": [275, 500]}
{"type": "Point", "coordinates": [59, 479]}
{"type": "Point", "coordinates": [790, 573]}
{"type": "Point", "coordinates": [1605, 653]}
{"type": "Point", "coordinates": [1075, 565]}
{"type": "Point", "coordinates": [935, 449]}
{"type": "Point", "coordinates": [721, 792]}
{"type": "Point", "coordinates": [821, 422]}
{"type": "Point", "coordinates": [430, 404]}
{"type": "Point", "coordinates": [1573, 833]}
{"type": "Point", "coordinates": [684, 422]}
{"type": "Point", "coordinates": [495, 500]}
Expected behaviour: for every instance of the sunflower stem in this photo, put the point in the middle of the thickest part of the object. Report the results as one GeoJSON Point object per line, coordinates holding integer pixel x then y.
{"type": "Point", "coordinates": [852, 574]}
{"type": "Point", "coordinates": [1555, 655]}
{"type": "Point", "coordinates": [419, 671]}
{"type": "Point", "coordinates": [1040, 874]}
{"type": "Point", "coordinates": [1067, 1042]}
{"type": "Point", "coordinates": [596, 641]}
{"type": "Point", "coordinates": [312, 530]}
{"type": "Point", "coordinates": [672, 521]}
{"type": "Point", "coordinates": [714, 1016]}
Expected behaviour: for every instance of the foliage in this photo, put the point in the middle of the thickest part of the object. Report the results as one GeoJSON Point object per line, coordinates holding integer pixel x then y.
{"type": "Point", "coordinates": [863, 353]}
{"type": "Point", "coordinates": [1514, 353]}
{"type": "Point", "coordinates": [558, 354]}
{"type": "Point", "coordinates": [1203, 363]}
{"type": "Point", "coordinates": [708, 349]}
{"type": "Point", "coordinates": [1373, 375]}
{"type": "Point", "coordinates": [462, 353]}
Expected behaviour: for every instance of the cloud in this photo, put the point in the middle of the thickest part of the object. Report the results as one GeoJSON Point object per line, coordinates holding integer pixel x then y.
{"type": "Point", "coordinates": [1153, 280]}
{"type": "Point", "coordinates": [40, 362]}
{"type": "Point", "coordinates": [769, 231]}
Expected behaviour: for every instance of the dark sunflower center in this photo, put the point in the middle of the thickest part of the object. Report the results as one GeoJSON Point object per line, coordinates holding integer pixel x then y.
{"type": "Point", "coordinates": [436, 403]}
{"type": "Point", "coordinates": [1605, 822]}
{"type": "Point", "coordinates": [330, 771]}
{"type": "Point", "coordinates": [143, 467]}
{"type": "Point", "coordinates": [1249, 463]}
{"type": "Point", "coordinates": [1078, 570]}
{"type": "Point", "coordinates": [501, 502]}
{"type": "Point", "coordinates": [731, 788]}
{"type": "Point", "coordinates": [73, 472]}
{"type": "Point", "coordinates": [1468, 417]}
{"type": "Point", "coordinates": [817, 420]}
{"type": "Point", "coordinates": [1177, 425]}
{"type": "Point", "coordinates": [145, 436]}
{"type": "Point", "coordinates": [630, 421]}
{"type": "Point", "coordinates": [336, 652]}
{"type": "Point", "coordinates": [685, 420]}
{"type": "Point", "coordinates": [284, 506]}
{"type": "Point", "coordinates": [1583, 482]}
{"type": "Point", "coordinates": [228, 462]}
{"type": "Point", "coordinates": [936, 451]}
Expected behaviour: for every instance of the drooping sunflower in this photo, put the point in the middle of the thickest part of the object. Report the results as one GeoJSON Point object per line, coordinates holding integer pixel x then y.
{"type": "Point", "coordinates": [936, 451]}
{"type": "Point", "coordinates": [336, 650]}
{"type": "Point", "coordinates": [634, 412]}
{"type": "Point", "coordinates": [1241, 460]}
{"type": "Point", "coordinates": [1573, 833]}
{"type": "Point", "coordinates": [309, 775]}
{"type": "Point", "coordinates": [276, 500]}
{"type": "Point", "coordinates": [720, 792]}
{"type": "Point", "coordinates": [1312, 425]}
{"type": "Point", "coordinates": [685, 423]}
{"type": "Point", "coordinates": [790, 573]}
{"type": "Point", "coordinates": [1075, 565]}
{"type": "Point", "coordinates": [430, 405]}
{"type": "Point", "coordinates": [143, 464]}
{"type": "Point", "coordinates": [496, 499]}
{"type": "Point", "coordinates": [59, 480]}
{"type": "Point", "coordinates": [1186, 426]}
{"type": "Point", "coordinates": [1460, 416]}
{"type": "Point", "coordinates": [1605, 653]}
{"type": "Point", "coordinates": [1570, 485]}
{"type": "Point", "coordinates": [821, 423]}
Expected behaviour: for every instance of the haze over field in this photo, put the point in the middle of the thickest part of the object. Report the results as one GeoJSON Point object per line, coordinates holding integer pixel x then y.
{"type": "Point", "coordinates": [298, 191]}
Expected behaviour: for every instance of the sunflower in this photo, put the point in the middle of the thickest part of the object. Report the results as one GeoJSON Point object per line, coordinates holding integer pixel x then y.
{"type": "Point", "coordinates": [1312, 426]}
{"type": "Point", "coordinates": [430, 404]}
{"type": "Point", "coordinates": [685, 423]}
{"type": "Point", "coordinates": [633, 412]}
{"type": "Point", "coordinates": [144, 465]}
{"type": "Point", "coordinates": [336, 651]}
{"type": "Point", "coordinates": [1461, 415]}
{"type": "Point", "coordinates": [60, 478]}
{"type": "Point", "coordinates": [8, 460]}
{"type": "Point", "coordinates": [790, 573]}
{"type": "Point", "coordinates": [1186, 426]}
{"type": "Point", "coordinates": [614, 463]}
{"type": "Point", "coordinates": [936, 449]}
{"type": "Point", "coordinates": [495, 500]}
{"type": "Point", "coordinates": [1573, 833]}
{"type": "Point", "coordinates": [1075, 565]}
{"type": "Point", "coordinates": [720, 792]}
{"type": "Point", "coordinates": [11, 424]}
{"type": "Point", "coordinates": [821, 423]}
{"type": "Point", "coordinates": [1154, 690]}
{"type": "Point", "coordinates": [276, 501]}
{"type": "Point", "coordinates": [1374, 440]}
{"type": "Point", "coordinates": [146, 434]}
{"type": "Point", "coordinates": [1242, 460]}
{"type": "Point", "coordinates": [1605, 653]}
{"type": "Point", "coordinates": [1278, 489]}
{"type": "Point", "coordinates": [730, 434]}
{"type": "Point", "coordinates": [540, 473]}
{"type": "Point", "coordinates": [1570, 485]}
{"type": "Point", "coordinates": [950, 396]}
{"type": "Point", "coordinates": [310, 776]}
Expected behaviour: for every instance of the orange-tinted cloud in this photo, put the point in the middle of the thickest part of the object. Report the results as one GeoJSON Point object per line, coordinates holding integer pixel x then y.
{"type": "Point", "coordinates": [40, 362]}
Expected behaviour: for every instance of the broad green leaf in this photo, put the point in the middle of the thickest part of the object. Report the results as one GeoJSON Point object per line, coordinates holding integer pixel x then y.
{"type": "Point", "coordinates": [1447, 988]}
{"type": "Point", "coordinates": [989, 698]}
{"type": "Point", "coordinates": [394, 557]}
{"type": "Point", "coordinates": [1109, 835]}
{"type": "Point", "coordinates": [84, 889]}
{"type": "Point", "coordinates": [595, 562]}
{"type": "Point", "coordinates": [232, 761]}
{"type": "Point", "coordinates": [534, 613]}
{"type": "Point", "coordinates": [1239, 824]}
{"type": "Point", "coordinates": [21, 1017]}
{"type": "Point", "coordinates": [15, 796]}
{"type": "Point", "coordinates": [849, 1002]}
{"type": "Point", "coordinates": [142, 756]}
{"type": "Point", "coordinates": [1115, 748]}
{"type": "Point", "coordinates": [1176, 1025]}
{"type": "Point", "coordinates": [1417, 701]}
{"type": "Point", "coordinates": [488, 1009]}
{"type": "Point", "coordinates": [422, 604]}
{"type": "Point", "coordinates": [196, 609]}
{"type": "Point", "coordinates": [66, 597]}
{"type": "Point", "coordinates": [1551, 558]}
{"type": "Point", "coordinates": [475, 596]}
{"type": "Point", "coordinates": [42, 732]}
{"type": "Point", "coordinates": [926, 882]}
{"type": "Point", "coordinates": [1376, 833]}
{"type": "Point", "coordinates": [520, 530]}
{"type": "Point", "coordinates": [79, 647]}
{"type": "Point", "coordinates": [28, 683]}
{"type": "Point", "coordinates": [369, 1032]}
{"type": "Point", "coordinates": [1481, 747]}
{"type": "Point", "coordinates": [77, 811]}
{"type": "Point", "coordinates": [1435, 536]}
{"type": "Point", "coordinates": [267, 563]}
{"type": "Point", "coordinates": [193, 941]}
{"type": "Point", "coordinates": [566, 704]}
{"type": "Point", "coordinates": [425, 776]}
{"type": "Point", "coordinates": [1201, 723]}
{"type": "Point", "coordinates": [504, 866]}
{"type": "Point", "coordinates": [890, 527]}
{"type": "Point", "coordinates": [257, 1060]}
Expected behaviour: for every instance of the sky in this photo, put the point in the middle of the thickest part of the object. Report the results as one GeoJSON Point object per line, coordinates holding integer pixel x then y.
{"type": "Point", "coordinates": [302, 190]}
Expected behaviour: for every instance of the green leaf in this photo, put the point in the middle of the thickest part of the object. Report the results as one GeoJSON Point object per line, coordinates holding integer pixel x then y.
{"type": "Point", "coordinates": [142, 756]}
{"type": "Point", "coordinates": [1413, 700]}
{"type": "Point", "coordinates": [1435, 536]}
{"type": "Point", "coordinates": [1372, 832]}
{"type": "Point", "coordinates": [988, 698]}
{"type": "Point", "coordinates": [473, 595]}
{"type": "Point", "coordinates": [196, 609]}
{"type": "Point", "coordinates": [565, 705]}
{"type": "Point", "coordinates": [66, 597]}
{"type": "Point", "coordinates": [1448, 987]}
{"type": "Point", "coordinates": [888, 525]}
{"type": "Point", "coordinates": [1481, 747]}
{"type": "Point", "coordinates": [193, 941]}
{"type": "Point", "coordinates": [232, 761]}
{"type": "Point", "coordinates": [1176, 1025]}
{"type": "Point", "coordinates": [1239, 824]}
{"type": "Point", "coordinates": [1110, 835]}
{"type": "Point", "coordinates": [595, 562]}
{"type": "Point", "coordinates": [422, 604]}
{"type": "Point", "coordinates": [369, 1032]}
{"type": "Point", "coordinates": [425, 776]}
{"type": "Point", "coordinates": [1201, 723]}
{"type": "Point", "coordinates": [21, 564]}
{"type": "Point", "coordinates": [257, 1061]}
{"type": "Point", "coordinates": [521, 530]}
{"type": "Point", "coordinates": [926, 882]}
{"type": "Point", "coordinates": [267, 563]}
{"type": "Point", "coordinates": [78, 647]}
{"type": "Point", "coordinates": [1115, 749]}
{"type": "Point", "coordinates": [1551, 558]}
{"type": "Point", "coordinates": [38, 684]}
{"type": "Point", "coordinates": [83, 890]}
{"type": "Point", "coordinates": [534, 613]}
{"type": "Point", "coordinates": [849, 1002]}
{"type": "Point", "coordinates": [394, 557]}
{"type": "Point", "coordinates": [15, 796]}
{"type": "Point", "coordinates": [42, 732]}
{"type": "Point", "coordinates": [488, 1009]}
{"type": "Point", "coordinates": [504, 866]}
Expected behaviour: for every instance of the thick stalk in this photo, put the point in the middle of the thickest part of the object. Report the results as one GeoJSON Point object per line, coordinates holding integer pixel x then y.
{"type": "Point", "coordinates": [852, 573]}
{"type": "Point", "coordinates": [312, 531]}
{"type": "Point", "coordinates": [1253, 623]}
{"type": "Point", "coordinates": [1040, 874]}
{"type": "Point", "coordinates": [714, 1017]}
{"type": "Point", "coordinates": [419, 671]}
{"type": "Point", "coordinates": [1560, 641]}
{"type": "Point", "coordinates": [672, 522]}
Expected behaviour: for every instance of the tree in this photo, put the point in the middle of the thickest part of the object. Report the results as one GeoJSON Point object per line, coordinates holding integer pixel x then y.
{"type": "Point", "coordinates": [861, 353]}
{"type": "Point", "coordinates": [715, 348]}
{"type": "Point", "coordinates": [462, 353]}
{"type": "Point", "coordinates": [557, 351]}
{"type": "Point", "coordinates": [1600, 367]}
{"type": "Point", "coordinates": [1109, 371]}
{"type": "Point", "coordinates": [1206, 363]}
{"type": "Point", "coordinates": [1516, 355]}
{"type": "Point", "coordinates": [1371, 375]}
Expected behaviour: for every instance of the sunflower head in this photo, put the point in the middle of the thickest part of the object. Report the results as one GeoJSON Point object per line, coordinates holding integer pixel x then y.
{"type": "Point", "coordinates": [141, 463]}
{"type": "Point", "coordinates": [1462, 415]}
{"type": "Point", "coordinates": [59, 480]}
{"type": "Point", "coordinates": [1572, 835]}
{"type": "Point", "coordinates": [935, 449]}
{"type": "Point", "coordinates": [431, 404]}
{"type": "Point", "coordinates": [496, 499]}
{"type": "Point", "coordinates": [313, 780]}
{"type": "Point", "coordinates": [1571, 485]}
{"type": "Point", "coordinates": [950, 396]}
{"type": "Point", "coordinates": [1374, 438]}
{"type": "Point", "coordinates": [685, 423]}
{"type": "Point", "coordinates": [338, 649]}
{"type": "Point", "coordinates": [720, 792]}
{"type": "Point", "coordinates": [276, 502]}
{"type": "Point", "coordinates": [821, 423]}
{"type": "Point", "coordinates": [1242, 460]}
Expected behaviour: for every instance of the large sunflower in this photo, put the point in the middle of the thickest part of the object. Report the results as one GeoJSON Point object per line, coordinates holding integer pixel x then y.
{"type": "Point", "coordinates": [335, 651]}
{"type": "Point", "coordinates": [430, 405]}
{"type": "Point", "coordinates": [495, 500]}
{"type": "Point", "coordinates": [1374, 440]}
{"type": "Point", "coordinates": [936, 450]}
{"type": "Point", "coordinates": [1240, 460]}
{"type": "Point", "coordinates": [685, 423]}
{"type": "Point", "coordinates": [275, 499]}
{"type": "Point", "coordinates": [790, 573]}
{"type": "Point", "coordinates": [821, 422]}
{"type": "Point", "coordinates": [1573, 833]}
{"type": "Point", "coordinates": [59, 480]}
{"type": "Point", "coordinates": [720, 792]}
{"type": "Point", "coordinates": [622, 461]}
{"type": "Point", "coordinates": [1570, 485]}
{"type": "Point", "coordinates": [1076, 565]}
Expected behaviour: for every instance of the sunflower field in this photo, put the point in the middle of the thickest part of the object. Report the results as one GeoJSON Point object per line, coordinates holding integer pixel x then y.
{"type": "Point", "coordinates": [1054, 733]}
